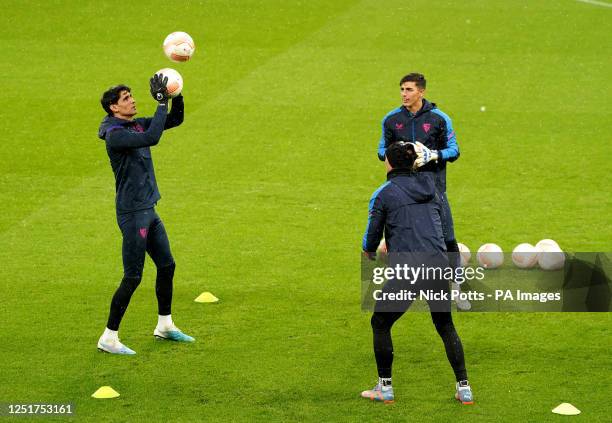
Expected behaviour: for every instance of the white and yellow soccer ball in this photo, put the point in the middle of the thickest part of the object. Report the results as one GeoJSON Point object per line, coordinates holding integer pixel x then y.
{"type": "Point", "coordinates": [175, 81]}
{"type": "Point", "coordinates": [179, 46]}
{"type": "Point", "coordinates": [490, 256]}
{"type": "Point", "coordinates": [464, 254]}
{"type": "Point", "coordinates": [525, 256]}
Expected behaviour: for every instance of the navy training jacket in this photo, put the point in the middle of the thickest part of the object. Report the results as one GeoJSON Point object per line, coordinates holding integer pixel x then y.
{"type": "Point", "coordinates": [430, 126]}
{"type": "Point", "coordinates": [404, 208]}
{"type": "Point", "coordinates": [128, 147]}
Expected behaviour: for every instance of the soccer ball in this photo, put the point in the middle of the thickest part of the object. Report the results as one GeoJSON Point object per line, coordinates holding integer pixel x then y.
{"type": "Point", "coordinates": [175, 81]}
{"type": "Point", "coordinates": [547, 243]}
{"type": "Point", "coordinates": [525, 256]}
{"type": "Point", "coordinates": [490, 256]}
{"type": "Point", "coordinates": [179, 46]}
{"type": "Point", "coordinates": [465, 254]}
{"type": "Point", "coordinates": [550, 255]}
{"type": "Point", "coordinates": [551, 259]}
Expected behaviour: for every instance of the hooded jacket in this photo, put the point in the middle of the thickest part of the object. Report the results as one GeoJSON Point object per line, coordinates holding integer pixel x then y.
{"type": "Point", "coordinates": [430, 126]}
{"type": "Point", "coordinates": [128, 146]}
{"type": "Point", "coordinates": [404, 208]}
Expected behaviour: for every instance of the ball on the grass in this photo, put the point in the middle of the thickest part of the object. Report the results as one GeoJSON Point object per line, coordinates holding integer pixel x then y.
{"type": "Point", "coordinates": [550, 255]}
{"type": "Point", "coordinates": [547, 243]}
{"type": "Point", "coordinates": [490, 256]}
{"type": "Point", "coordinates": [525, 256]}
{"type": "Point", "coordinates": [551, 260]}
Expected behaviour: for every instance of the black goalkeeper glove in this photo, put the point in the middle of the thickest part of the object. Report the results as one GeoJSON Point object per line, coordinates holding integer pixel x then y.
{"type": "Point", "coordinates": [158, 88]}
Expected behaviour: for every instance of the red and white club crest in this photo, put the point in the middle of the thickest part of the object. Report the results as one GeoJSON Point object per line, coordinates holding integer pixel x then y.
{"type": "Point", "coordinates": [143, 232]}
{"type": "Point", "coordinates": [427, 127]}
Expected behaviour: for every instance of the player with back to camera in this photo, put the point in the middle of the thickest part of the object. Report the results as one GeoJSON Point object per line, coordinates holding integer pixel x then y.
{"type": "Point", "coordinates": [128, 141]}
{"type": "Point", "coordinates": [421, 122]}
{"type": "Point", "coordinates": [406, 210]}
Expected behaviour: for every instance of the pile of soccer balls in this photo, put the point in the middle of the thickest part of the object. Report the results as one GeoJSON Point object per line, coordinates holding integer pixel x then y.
{"type": "Point", "coordinates": [178, 47]}
{"type": "Point", "coordinates": [546, 254]}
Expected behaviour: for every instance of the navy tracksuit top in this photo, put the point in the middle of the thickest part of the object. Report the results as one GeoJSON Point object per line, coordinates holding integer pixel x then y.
{"type": "Point", "coordinates": [430, 126]}
{"type": "Point", "coordinates": [404, 208]}
{"type": "Point", "coordinates": [128, 146]}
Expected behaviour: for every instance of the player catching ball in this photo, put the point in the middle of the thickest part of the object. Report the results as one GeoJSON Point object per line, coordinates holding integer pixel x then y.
{"type": "Point", "coordinates": [421, 122]}
{"type": "Point", "coordinates": [128, 144]}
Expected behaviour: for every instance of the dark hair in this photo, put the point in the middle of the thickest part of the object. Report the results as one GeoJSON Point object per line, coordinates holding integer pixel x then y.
{"type": "Point", "coordinates": [112, 95]}
{"type": "Point", "coordinates": [401, 155]}
{"type": "Point", "coordinates": [417, 78]}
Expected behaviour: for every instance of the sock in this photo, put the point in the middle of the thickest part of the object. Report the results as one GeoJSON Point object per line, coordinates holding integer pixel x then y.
{"type": "Point", "coordinates": [110, 335]}
{"type": "Point", "coordinates": [384, 382]}
{"type": "Point", "coordinates": [463, 383]}
{"type": "Point", "coordinates": [164, 321]}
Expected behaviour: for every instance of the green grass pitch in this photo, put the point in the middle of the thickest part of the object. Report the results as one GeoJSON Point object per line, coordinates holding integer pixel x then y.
{"type": "Point", "coordinates": [265, 189]}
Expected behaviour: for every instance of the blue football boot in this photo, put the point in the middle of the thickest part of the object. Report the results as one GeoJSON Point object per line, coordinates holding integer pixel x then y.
{"type": "Point", "coordinates": [173, 333]}
{"type": "Point", "coordinates": [114, 346]}
{"type": "Point", "coordinates": [380, 393]}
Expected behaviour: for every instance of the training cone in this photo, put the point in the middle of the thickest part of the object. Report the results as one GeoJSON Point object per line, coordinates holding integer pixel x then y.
{"type": "Point", "coordinates": [206, 297]}
{"type": "Point", "coordinates": [105, 392]}
{"type": "Point", "coordinates": [566, 409]}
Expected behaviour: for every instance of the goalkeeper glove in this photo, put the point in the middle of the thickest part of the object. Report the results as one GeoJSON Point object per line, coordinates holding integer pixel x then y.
{"type": "Point", "coordinates": [158, 88]}
{"type": "Point", "coordinates": [424, 155]}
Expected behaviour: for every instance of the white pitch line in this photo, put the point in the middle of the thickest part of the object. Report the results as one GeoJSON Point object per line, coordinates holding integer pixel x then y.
{"type": "Point", "coordinates": [596, 3]}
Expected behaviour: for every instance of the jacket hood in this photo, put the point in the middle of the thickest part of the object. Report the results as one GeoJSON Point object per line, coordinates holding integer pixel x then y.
{"type": "Point", "coordinates": [110, 122]}
{"type": "Point", "coordinates": [427, 106]}
{"type": "Point", "coordinates": [418, 186]}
